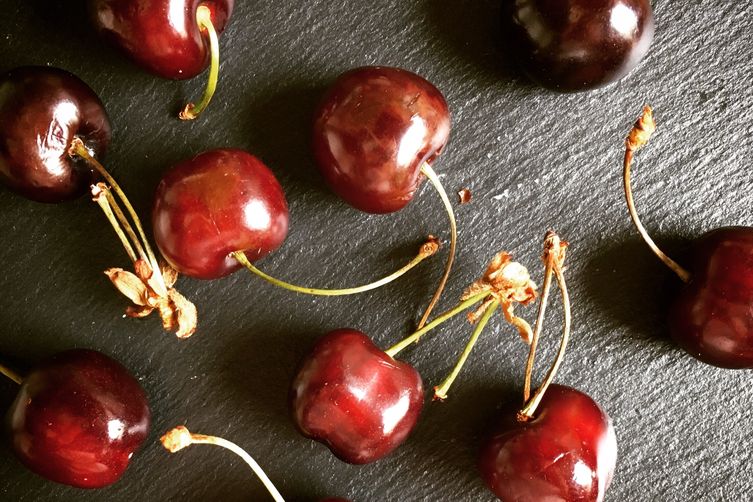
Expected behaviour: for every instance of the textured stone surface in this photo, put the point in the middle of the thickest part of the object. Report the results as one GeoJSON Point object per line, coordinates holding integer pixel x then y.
{"type": "Point", "coordinates": [533, 160]}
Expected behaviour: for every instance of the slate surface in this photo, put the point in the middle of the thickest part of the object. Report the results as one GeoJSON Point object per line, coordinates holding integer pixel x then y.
{"type": "Point", "coordinates": [533, 160]}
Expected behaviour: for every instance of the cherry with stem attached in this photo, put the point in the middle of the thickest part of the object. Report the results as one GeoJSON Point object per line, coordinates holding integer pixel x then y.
{"type": "Point", "coordinates": [165, 44]}
{"type": "Point", "coordinates": [52, 128]}
{"type": "Point", "coordinates": [711, 317]}
{"type": "Point", "coordinates": [376, 133]}
{"type": "Point", "coordinates": [78, 418]}
{"type": "Point", "coordinates": [223, 210]}
{"type": "Point", "coordinates": [560, 445]}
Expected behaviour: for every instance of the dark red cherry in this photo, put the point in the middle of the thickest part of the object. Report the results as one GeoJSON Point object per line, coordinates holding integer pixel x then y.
{"type": "Point", "coordinates": [78, 419]}
{"type": "Point", "coordinates": [219, 202]}
{"type": "Point", "coordinates": [162, 36]}
{"type": "Point", "coordinates": [42, 110]}
{"type": "Point", "coordinates": [354, 398]}
{"type": "Point", "coordinates": [712, 318]}
{"type": "Point", "coordinates": [567, 452]}
{"type": "Point", "coordinates": [575, 45]}
{"type": "Point", "coordinates": [373, 131]}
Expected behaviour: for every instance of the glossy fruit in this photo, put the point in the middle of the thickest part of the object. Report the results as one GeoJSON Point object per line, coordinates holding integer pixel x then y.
{"type": "Point", "coordinates": [712, 317]}
{"type": "Point", "coordinates": [78, 419]}
{"type": "Point", "coordinates": [162, 36]}
{"type": "Point", "coordinates": [374, 129]}
{"type": "Point", "coordinates": [575, 45]}
{"type": "Point", "coordinates": [567, 452]}
{"type": "Point", "coordinates": [41, 110]}
{"type": "Point", "coordinates": [219, 202]}
{"type": "Point", "coordinates": [354, 398]}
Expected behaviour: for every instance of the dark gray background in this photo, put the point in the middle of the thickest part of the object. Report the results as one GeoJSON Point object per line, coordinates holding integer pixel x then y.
{"type": "Point", "coordinates": [533, 160]}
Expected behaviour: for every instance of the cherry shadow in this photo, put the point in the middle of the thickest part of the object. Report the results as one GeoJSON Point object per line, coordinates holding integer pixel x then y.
{"type": "Point", "coordinates": [633, 287]}
{"type": "Point", "coordinates": [473, 30]}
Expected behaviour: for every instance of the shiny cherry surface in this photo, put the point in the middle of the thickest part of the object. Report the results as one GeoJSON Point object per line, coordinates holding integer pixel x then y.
{"type": "Point", "coordinates": [567, 452]}
{"type": "Point", "coordinates": [575, 45]}
{"type": "Point", "coordinates": [41, 110]}
{"type": "Point", "coordinates": [219, 202]}
{"type": "Point", "coordinates": [373, 131]}
{"type": "Point", "coordinates": [354, 398]}
{"type": "Point", "coordinates": [162, 36]}
{"type": "Point", "coordinates": [712, 318]}
{"type": "Point", "coordinates": [78, 419]}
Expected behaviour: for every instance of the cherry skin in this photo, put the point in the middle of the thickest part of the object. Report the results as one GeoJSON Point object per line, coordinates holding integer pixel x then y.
{"type": "Point", "coordinates": [42, 110]}
{"type": "Point", "coordinates": [354, 398]}
{"type": "Point", "coordinates": [219, 202]}
{"type": "Point", "coordinates": [78, 419]}
{"type": "Point", "coordinates": [566, 452]}
{"type": "Point", "coordinates": [162, 36]}
{"type": "Point", "coordinates": [575, 45]}
{"type": "Point", "coordinates": [712, 318]}
{"type": "Point", "coordinates": [373, 131]}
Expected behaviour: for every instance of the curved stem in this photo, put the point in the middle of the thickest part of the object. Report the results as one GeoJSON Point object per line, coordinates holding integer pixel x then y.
{"type": "Point", "coordinates": [99, 195]}
{"type": "Point", "coordinates": [427, 249]}
{"type": "Point", "coordinates": [204, 18]}
{"type": "Point", "coordinates": [434, 179]}
{"type": "Point", "coordinates": [440, 392]}
{"type": "Point", "coordinates": [78, 149]}
{"type": "Point", "coordinates": [638, 137]}
{"type": "Point", "coordinates": [4, 370]}
{"type": "Point", "coordinates": [180, 438]}
{"type": "Point", "coordinates": [398, 347]}
{"type": "Point", "coordinates": [530, 408]}
{"type": "Point", "coordinates": [539, 324]}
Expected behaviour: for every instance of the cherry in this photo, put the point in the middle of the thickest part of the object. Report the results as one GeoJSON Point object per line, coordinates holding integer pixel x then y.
{"type": "Point", "coordinates": [78, 419]}
{"type": "Point", "coordinates": [567, 452]}
{"type": "Point", "coordinates": [354, 398]}
{"type": "Point", "coordinates": [575, 45]}
{"type": "Point", "coordinates": [166, 37]}
{"type": "Point", "coordinates": [711, 317]}
{"type": "Point", "coordinates": [219, 202]}
{"type": "Point", "coordinates": [374, 130]}
{"type": "Point", "coordinates": [42, 110]}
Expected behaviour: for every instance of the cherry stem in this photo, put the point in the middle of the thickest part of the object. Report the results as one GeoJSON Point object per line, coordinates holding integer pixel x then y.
{"type": "Point", "coordinates": [434, 179]}
{"type": "Point", "coordinates": [204, 18]}
{"type": "Point", "coordinates": [413, 338]}
{"type": "Point", "coordinates": [637, 138]}
{"type": "Point", "coordinates": [532, 404]}
{"type": "Point", "coordinates": [427, 249]}
{"type": "Point", "coordinates": [548, 272]}
{"type": "Point", "coordinates": [78, 149]}
{"type": "Point", "coordinates": [4, 370]}
{"type": "Point", "coordinates": [440, 392]}
{"type": "Point", "coordinates": [180, 437]}
{"type": "Point", "coordinates": [99, 195]}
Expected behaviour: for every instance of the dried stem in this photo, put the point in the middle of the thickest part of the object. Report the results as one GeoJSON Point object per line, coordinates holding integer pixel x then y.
{"type": "Point", "coordinates": [434, 179]}
{"type": "Point", "coordinates": [4, 370]}
{"type": "Point", "coordinates": [638, 137]}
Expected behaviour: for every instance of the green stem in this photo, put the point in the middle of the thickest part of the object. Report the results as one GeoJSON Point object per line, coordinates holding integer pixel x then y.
{"type": "Point", "coordinates": [204, 18]}
{"type": "Point", "coordinates": [427, 249]}
{"type": "Point", "coordinates": [398, 347]}
{"type": "Point", "coordinates": [440, 392]}
{"type": "Point", "coordinates": [99, 192]}
{"type": "Point", "coordinates": [530, 408]}
{"type": "Point", "coordinates": [4, 370]}
{"type": "Point", "coordinates": [434, 179]}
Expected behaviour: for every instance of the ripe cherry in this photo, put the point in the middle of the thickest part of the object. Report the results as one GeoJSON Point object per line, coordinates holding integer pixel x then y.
{"type": "Point", "coordinates": [78, 419]}
{"type": "Point", "coordinates": [174, 39]}
{"type": "Point", "coordinates": [561, 445]}
{"type": "Point", "coordinates": [376, 132]}
{"type": "Point", "coordinates": [52, 128]}
{"type": "Point", "coordinates": [42, 110]}
{"type": "Point", "coordinates": [575, 45]}
{"type": "Point", "coordinates": [353, 397]}
{"type": "Point", "coordinates": [711, 318]}
{"type": "Point", "coordinates": [567, 452]}
{"type": "Point", "coordinates": [219, 202]}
